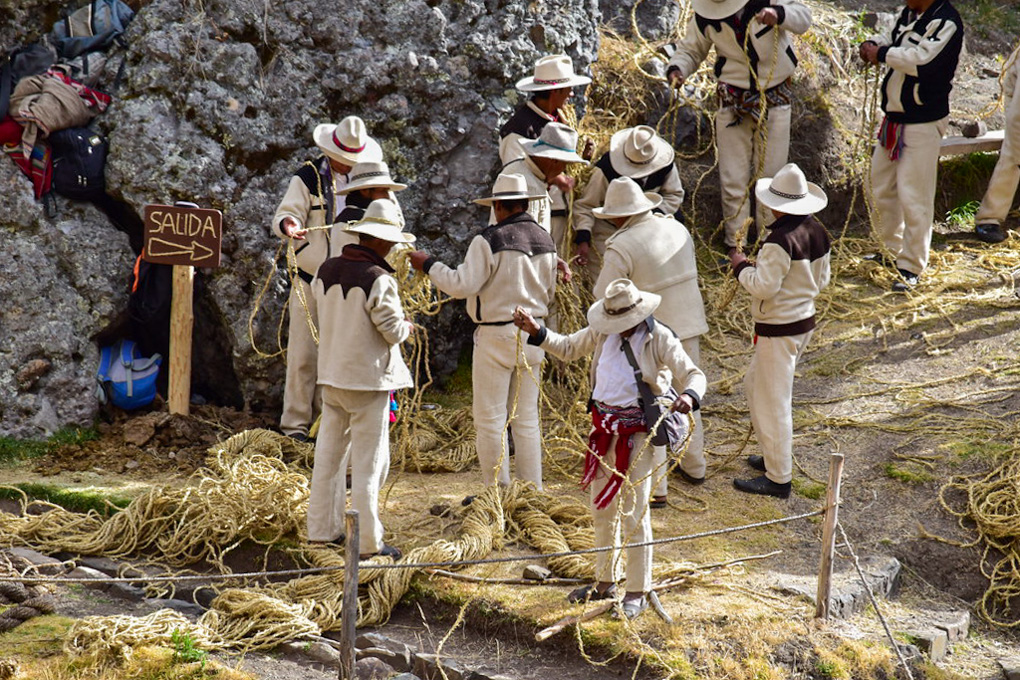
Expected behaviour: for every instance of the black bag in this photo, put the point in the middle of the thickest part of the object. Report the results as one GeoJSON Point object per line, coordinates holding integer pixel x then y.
{"type": "Point", "coordinates": [673, 428]}
{"type": "Point", "coordinates": [79, 160]}
{"type": "Point", "coordinates": [30, 60]}
{"type": "Point", "coordinates": [93, 27]}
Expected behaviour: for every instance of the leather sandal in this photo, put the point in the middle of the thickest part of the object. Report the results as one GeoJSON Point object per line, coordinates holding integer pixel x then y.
{"type": "Point", "coordinates": [631, 609]}
{"type": "Point", "coordinates": [590, 593]}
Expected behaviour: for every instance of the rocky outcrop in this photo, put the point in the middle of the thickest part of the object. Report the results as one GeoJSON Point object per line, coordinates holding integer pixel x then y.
{"type": "Point", "coordinates": [217, 106]}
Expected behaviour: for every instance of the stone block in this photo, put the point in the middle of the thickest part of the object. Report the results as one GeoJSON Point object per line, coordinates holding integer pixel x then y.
{"type": "Point", "coordinates": [90, 573]}
{"type": "Point", "coordinates": [372, 669]}
{"type": "Point", "coordinates": [1010, 668]}
{"type": "Point", "coordinates": [933, 643]}
{"type": "Point", "coordinates": [536, 572]}
{"type": "Point", "coordinates": [955, 624]}
{"type": "Point", "coordinates": [43, 563]}
{"type": "Point", "coordinates": [189, 609]}
{"type": "Point", "coordinates": [401, 660]}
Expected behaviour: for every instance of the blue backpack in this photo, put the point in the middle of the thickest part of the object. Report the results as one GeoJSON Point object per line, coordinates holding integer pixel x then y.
{"type": "Point", "coordinates": [95, 26]}
{"type": "Point", "coordinates": [126, 378]}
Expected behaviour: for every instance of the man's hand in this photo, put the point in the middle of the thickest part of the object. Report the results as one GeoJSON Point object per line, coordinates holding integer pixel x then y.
{"type": "Point", "coordinates": [564, 270]}
{"type": "Point", "coordinates": [526, 322]}
{"type": "Point", "coordinates": [736, 257]}
{"type": "Point", "coordinates": [417, 259]}
{"type": "Point", "coordinates": [564, 182]}
{"type": "Point", "coordinates": [768, 16]}
{"type": "Point", "coordinates": [589, 149]}
{"type": "Point", "coordinates": [683, 403]}
{"type": "Point", "coordinates": [292, 228]}
{"type": "Point", "coordinates": [675, 79]}
{"type": "Point", "coordinates": [581, 259]}
{"type": "Point", "coordinates": [868, 51]}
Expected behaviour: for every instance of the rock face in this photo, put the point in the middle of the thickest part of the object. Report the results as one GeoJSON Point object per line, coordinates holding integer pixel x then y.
{"type": "Point", "coordinates": [655, 19]}
{"type": "Point", "coordinates": [217, 105]}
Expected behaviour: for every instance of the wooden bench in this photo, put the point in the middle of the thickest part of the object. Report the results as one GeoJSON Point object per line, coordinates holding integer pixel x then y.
{"type": "Point", "coordinates": [990, 141]}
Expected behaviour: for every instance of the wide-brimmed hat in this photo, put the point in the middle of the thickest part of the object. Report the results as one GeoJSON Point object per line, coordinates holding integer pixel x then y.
{"type": "Point", "coordinates": [789, 192]}
{"type": "Point", "coordinates": [382, 220]}
{"type": "Point", "coordinates": [623, 307]}
{"type": "Point", "coordinates": [557, 141]}
{"type": "Point", "coordinates": [370, 175]}
{"type": "Point", "coordinates": [717, 9]}
{"type": "Point", "coordinates": [508, 187]}
{"type": "Point", "coordinates": [552, 73]}
{"type": "Point", "coordinates": [625, 198]}
{"type": "Point", "coordinates": [347, 142]}
{"type": "Point", "coordinates": [638, 151]}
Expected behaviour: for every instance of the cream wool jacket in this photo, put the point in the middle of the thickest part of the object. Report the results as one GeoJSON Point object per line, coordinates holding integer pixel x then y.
{"type": "Point", "coordinates": [312, 210]}
{"type": "Point", "coordinates": [657, 253]}
{"type": "Point", "coordinates": [770, 49]}
{"type": "Point", "coordinates": [361, 323]}
{"type": "Point", "coordinates": [663, 361]}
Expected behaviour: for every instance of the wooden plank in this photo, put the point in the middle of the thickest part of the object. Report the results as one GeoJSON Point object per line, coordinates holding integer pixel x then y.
{"type": "Point", "coordinates": [182, 319]}
{"type": "Point", "coordinates": [349, 605]}
{"type": "Point", "coordinates": [829, 536]}
{"type": "Point", "coordinates": [990, 141]}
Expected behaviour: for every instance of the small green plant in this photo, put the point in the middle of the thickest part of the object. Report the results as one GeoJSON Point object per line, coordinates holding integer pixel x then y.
{"type": "Point", "coordinates": [909, 474]}
{"type": "Point", "coordinates": [71, 499]}
{"type": "Point", "coordinates": [13, 450]}
{"type": "Point", "coordinates": [185, 650]}
{"type": "Point", "coordinates": [808, 488]}
{"type": "Point", "coordinates": [962, 215]}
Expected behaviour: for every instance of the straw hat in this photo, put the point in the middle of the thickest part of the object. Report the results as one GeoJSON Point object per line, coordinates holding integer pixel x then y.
{"type": "Point", "coordinates": [552, 73]}
{"type": "Point", "coordinates": [623, 307]}
{"type": "Point", "coordinates": [717, 9]}
{"type": "Point", "coordinates": [625, 198]}
{"type": "Point", "coordinates": [347, 142]}
{"type": "Point", "coordinates": [638, 151]}
{"type": "Point", "coordinates": [557, 141]}
{"type": "Point", "coordinates": [371, 175]}
{"type": "Point", "coordinates": [382, 220]}
{"type": "Point", "coordinates": [508, 188]}
{"type": "Point", "coordinates": [789, 192]}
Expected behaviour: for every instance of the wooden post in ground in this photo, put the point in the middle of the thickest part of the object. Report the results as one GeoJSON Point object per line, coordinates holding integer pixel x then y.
{"type": "Point", "coordinates": [182, 320]}
{"type": "Point", "coordinates": [349, 606]}
{"type": "Point", "coordinates": [829, 536]}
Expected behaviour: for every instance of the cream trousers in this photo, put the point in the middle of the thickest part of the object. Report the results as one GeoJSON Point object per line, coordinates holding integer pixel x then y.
{"type": "Point", "coordinates": [693, 461]}
{"type": "Point", "coordinates": [741, 149]}
{"type": "Point", "coordinates": [505, 390]}
{"type": "Point", "coordinates": [769, 388]}
{"type": "Point", "coordinates": [359, 420]}
{"type": "Point", "coordinates": [1006, 176]}
{"type": "Point", "coordinates": [302, 398]}
{"type": "Point", "coordinates": [903, 194]}
{"type": "Point", "coordinates": [628, 511]}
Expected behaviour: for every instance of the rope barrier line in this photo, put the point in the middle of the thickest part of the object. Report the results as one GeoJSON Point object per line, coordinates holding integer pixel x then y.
{"type": "Point", "coordinates": [366, 566]}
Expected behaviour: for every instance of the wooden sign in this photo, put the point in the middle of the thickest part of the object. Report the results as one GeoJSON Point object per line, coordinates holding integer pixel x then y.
{"type": "Point", "coordinates": [183, 235]}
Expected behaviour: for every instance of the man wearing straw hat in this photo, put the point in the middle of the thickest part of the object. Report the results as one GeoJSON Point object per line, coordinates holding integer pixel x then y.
{"type": "Point", "coordinates": [1005, 178]}
{"type": "Point", "coordinates": [313, 202]}
{"type": "Point", "coordinates": [361, 325]}
{"type": "Point", "coordinates": [656, 252]}
{"type": "Point", "coordinates": [618, 466]}
{"type": "Point", "coordinates": [544, 160]}
{"type": "Point", "coordinates": [511, 264]}
{"type": "Point", "coordinates": [368, 181]}
{"type": "Point", "coordinates": [791, 269]}
{"type": "Point", "coordinates": [754, 63]}
{"type": "Point", "coordinates": [921, 55]}
{"type": "Point", "coordinates": [643, 156]}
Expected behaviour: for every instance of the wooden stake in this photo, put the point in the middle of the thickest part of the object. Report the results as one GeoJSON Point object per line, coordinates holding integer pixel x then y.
{"type": "Point", "coordinates": [182, 321]}
{"type": "Point", "coordinates": [349, 605]}
{"type": "Point", "coordinates": [829, 536]}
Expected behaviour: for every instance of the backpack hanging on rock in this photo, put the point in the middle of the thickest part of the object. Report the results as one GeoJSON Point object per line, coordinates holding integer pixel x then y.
{"type": "Point", "coordinates": [79, 162]}
{"type": "Point", "coordinates": [95, 26]}
{"type": "Point", "coordinates": [126, 378]}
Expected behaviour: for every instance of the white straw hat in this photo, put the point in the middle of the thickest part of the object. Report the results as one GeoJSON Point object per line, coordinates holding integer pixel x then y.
{"type": "Point", "coordinates": [552, 73]}
{"type": "Point", "coordinates": [371, 175]}
{"type": "Point", "coordinates": [625, 198]}
{"type": "Point", "coordinates": [508, 187]}
{"type": "Point", "coordinates": [382, 220]}
{"type": "Point", "coordinates": [557, 141]}
{"type": "Point", "coordinates": [638, 151]}
{"type": "Point", "coordinates": [717, 9]}
{"type": "Point", "coordinates": [348, 142]}
{"type": "Point", "coordinates": [789, 192]}
{"type": "Point", "coordinates": [623, 307]}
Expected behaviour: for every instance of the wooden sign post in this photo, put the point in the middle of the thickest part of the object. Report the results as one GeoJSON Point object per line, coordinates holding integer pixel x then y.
{"type": "Point", "coordinates": [185, 236]}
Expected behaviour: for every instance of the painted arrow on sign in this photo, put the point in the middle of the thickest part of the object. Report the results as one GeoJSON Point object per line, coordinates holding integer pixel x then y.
{"type": "Point", "coordinates": [196, 250]}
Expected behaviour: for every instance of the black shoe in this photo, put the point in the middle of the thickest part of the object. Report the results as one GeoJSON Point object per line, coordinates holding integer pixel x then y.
{"type": "Point", "coordinates": [689, 478]}
{"type": "Point", "coordinates": [757, 462]}
{"type": "Point", "coordinates": [590, 593]}
{"type": "Point", "coordinates": [657, 502]}
{"type": "Point", "coordinates": [387, 551]}
{"type": "Point", "coordinates": [763, 486]}
{"type": "Point", "coordinates": [881, 260]}
{"type": "Point", "coordinates": [909, 280]}
{"type": "Point", "coordinates": [337, 542]}
{"type": "Point", "coordinates": [989, 233]}
{"type": "Point", "coordinates": [300, 437]}
{"type": "Point", "coordinates": [468, 500]}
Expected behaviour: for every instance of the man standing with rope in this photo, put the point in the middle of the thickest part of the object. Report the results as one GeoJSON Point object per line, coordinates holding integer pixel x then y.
{"type": "Point", "coordinates": [657, 253]}
{"type": "Point", "coordinates": [1002, 186]}
{"type": "Point", "coordinates": [511, 264]}
{"type": "Point", "coordinates": [921, 55]}
{"type": "Point", "coordinates": [754, 63]}
{"type": "Point", "coordinates": [311, 204]}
